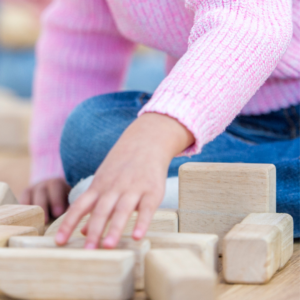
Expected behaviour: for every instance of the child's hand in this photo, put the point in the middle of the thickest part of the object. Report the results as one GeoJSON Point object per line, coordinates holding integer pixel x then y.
{"type": "Point", "coordinates": [52, 193]}
{"type": "Point", "coordinates": [132, 177]}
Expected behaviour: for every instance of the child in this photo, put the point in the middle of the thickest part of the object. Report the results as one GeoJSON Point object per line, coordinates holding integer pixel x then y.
{"type": "Point", "coordinates": [231, 95]}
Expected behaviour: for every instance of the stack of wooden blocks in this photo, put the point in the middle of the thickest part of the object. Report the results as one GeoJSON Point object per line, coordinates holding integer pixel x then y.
{"type": "Point", "coordinates": [226, 209]}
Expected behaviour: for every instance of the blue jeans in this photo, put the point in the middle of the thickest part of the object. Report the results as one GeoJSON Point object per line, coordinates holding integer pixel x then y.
{"type": "Point", "coordinates": [96, 124]}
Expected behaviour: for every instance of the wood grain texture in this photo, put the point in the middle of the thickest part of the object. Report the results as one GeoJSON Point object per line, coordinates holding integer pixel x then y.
{"type": "Point", "coordinates": [66, 274]}
{"type": "Point", "coordinates": [251, 253]}
{"type": "Point", "coordinates": [213, 197]}
{"type": "Point", "coordinates": [164, 220]}
{"type": "Point", "coordinates": [140, 249]}
{"type": "Point", "coordinates": [175, 274]}
{"type": "Point", "coordinates": [23, 215]}
{"type": "Point", "coordinates": [6, 195]}
{"type": "Point", "coordinates": [6, 232]}
{"type": "Point", "coordinates": [205, 246]}
{"type": "Point", "coordinates": [284, 285]}
{"type": "Point", "coordinates": [284, 223]}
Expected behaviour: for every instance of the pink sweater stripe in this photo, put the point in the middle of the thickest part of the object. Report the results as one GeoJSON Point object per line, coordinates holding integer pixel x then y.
{"type": "Point", "coordinates": [225, 57]}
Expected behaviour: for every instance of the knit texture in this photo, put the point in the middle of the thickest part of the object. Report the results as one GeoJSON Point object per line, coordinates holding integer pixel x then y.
{"type": "Point", "coordinates": [225, 57]}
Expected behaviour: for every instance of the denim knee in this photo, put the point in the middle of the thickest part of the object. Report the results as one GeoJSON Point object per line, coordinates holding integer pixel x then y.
{"type": "Point", "coordinates": [90, 132]}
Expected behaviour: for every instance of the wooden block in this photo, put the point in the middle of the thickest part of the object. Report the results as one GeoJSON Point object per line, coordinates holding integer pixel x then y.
{"type": "Point", "coordinates": [6, 232]}
{"type": "Point", "coordinates": [205, 246]}
{"type": "Point", "coordinates": [6, 195]}
{"type": "Point", "coordinates": [164, 220]}
{"type": "Point", "coordinates": [175, 274]}
{"type": "Point", "coordinates": [140, 248]}
{"type": "Point", "coordinates": [251, 253]}
{"type": "Point", "coordinates": [23, 215]}
{"type": "Point", "coordinates": [213, 197]}
{"type": "Point", "coordinates": [284, 223]}
{"type": "Point", "coordinates": [66, 274]}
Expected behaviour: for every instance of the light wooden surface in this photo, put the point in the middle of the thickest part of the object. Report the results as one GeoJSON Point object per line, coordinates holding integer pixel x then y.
{"type": "Point", "coordinates": [66, 274]}
{"type": "Point", "coordinates": [213, 197]}
{"type": "Point", "coordinates": [6, 195]}
{"type": "Point", "coordinates": [140, 248]}
{"type": "Point", "coordinates": [7, 231]}
{"type": "Point", "coordinates": [251, 253]}
{"type": "Point", "coordinates": [164, 220]}
{"type": "Point", "coordinates": [284, 223]}
{"type": "Point", "coordinates": [175, 274]}
{"type": "Point", "coordinates": [23, 215]}
{"type": "Point", "coordinates": [203, 245]}
{"type": "Point", "coordinates": [285, 285]}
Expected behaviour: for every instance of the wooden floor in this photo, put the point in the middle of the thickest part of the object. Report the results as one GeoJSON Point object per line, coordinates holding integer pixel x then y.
{"type": "Point", "coordinates": [285, 285]}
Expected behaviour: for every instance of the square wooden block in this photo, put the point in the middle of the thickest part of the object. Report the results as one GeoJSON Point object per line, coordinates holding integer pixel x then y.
{"type": "Point", "coordinates": [23, 215]}
{"type": "Point", "coordinates": [205, 246]}
{"type": "Point", "coordinates": [176, 274]}
{"type": "Point", "coordinates": [6, 195]}
{"type": "Point", "coordinates": [285, 224]}
{"type": "Point", "coordinates": [251, 253]}
{"type": "Point", "coordinates": [213, 197]}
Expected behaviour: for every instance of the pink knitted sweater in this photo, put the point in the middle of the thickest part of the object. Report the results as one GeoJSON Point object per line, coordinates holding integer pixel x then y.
{"type": "Point", "coordinates": [225, 57]}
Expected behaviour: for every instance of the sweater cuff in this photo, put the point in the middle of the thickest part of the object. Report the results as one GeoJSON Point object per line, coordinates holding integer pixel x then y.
{"type": "Point", "coordinates": [195, 116]}
{"type": "Point", "coordinates": [46, 166]}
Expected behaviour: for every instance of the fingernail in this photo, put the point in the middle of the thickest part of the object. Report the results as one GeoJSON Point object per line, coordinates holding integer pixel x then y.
{"type": "Point", "coordinates": [60, 238]}
{"type": "Point", "coordinates": [57, 211]}
{"type": "Point", "coordinates": [90, 246]}
{"type": "Point", "coordinates": [109, 242]}
{"type": "Point", "coordinates": [138, 234]}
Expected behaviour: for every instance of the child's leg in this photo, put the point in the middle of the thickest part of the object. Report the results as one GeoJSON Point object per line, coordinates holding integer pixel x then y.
{"type": "Point", "coordinates": [95, 125]}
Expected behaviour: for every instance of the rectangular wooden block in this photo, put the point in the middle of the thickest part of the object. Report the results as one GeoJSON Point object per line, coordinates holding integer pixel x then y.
{"type": "Point", "coordinates": [6, 232]}
{"type": "Point", "coordinates": [164, 220]}
{"type": "Point", "coordinates": [140, 249]}
{"type": "Point", "coordinates": [205, 246]}
{"type": "Point", "coordinates": [251, 253]}
{"type": "Point", "coordinates": [176, 274]}
{"type": "Point", "coordinates": [213, 197]}
{"type": "Point", "coordinates": [6, 195]}
{"type": "Point", "coordinates": [284, 223]}
{"type": "Point", "coordinates": [23, 215]}
{"type": "Point", "coordinates": [66, 274]}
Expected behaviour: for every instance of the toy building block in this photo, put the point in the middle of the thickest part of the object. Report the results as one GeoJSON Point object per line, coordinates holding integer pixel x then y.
{"type": "Point", "coordinates": [284, 223]}
{"type": "Point", "coordinates": [213, 197]}
{"type": "Point", "coordinates": [205, 246]}
{"type": "Point", "coordinates": [251, 253]}
{"type": "Point", "coordinates": [66, 274]}
{"type": "Point", "coordinates": [174, 274]}
{"type": "Point", "coordinates": [164, 220]}
{"type": "Point", "coordinates": [6, 232]}
{"type": "Point", "coordinates": [23, 215]}
{"type": "Point", "coordinates": [6, 195]}
{"type": "Point", "coordinates": [140, 248]}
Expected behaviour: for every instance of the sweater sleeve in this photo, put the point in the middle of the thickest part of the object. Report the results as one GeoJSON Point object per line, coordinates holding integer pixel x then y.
{"type": "Point", "coordinates": [80, 54]}
{"type": "Point", "coordinates": [233, 48]}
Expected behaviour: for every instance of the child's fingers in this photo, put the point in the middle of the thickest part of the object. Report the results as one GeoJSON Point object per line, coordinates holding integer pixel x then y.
{"type": "Point", "coordinates": [120, 216]}
{"type": "Point", "coordinates": [98, 220]}
{"type": "Point", "coordinates": [26, 196]}
{"type": "Point", "coordinates": [57, 197]}
{"type": "Point", "coordinates": [77, 211]}
{"type": "Point", "coordinates": [40, 198]}
{"type": "Point", "coordinates": [147, 208]}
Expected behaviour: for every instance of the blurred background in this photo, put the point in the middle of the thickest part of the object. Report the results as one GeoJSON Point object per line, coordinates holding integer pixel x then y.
{"type": "Point", "coordinates": [19, 31]}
